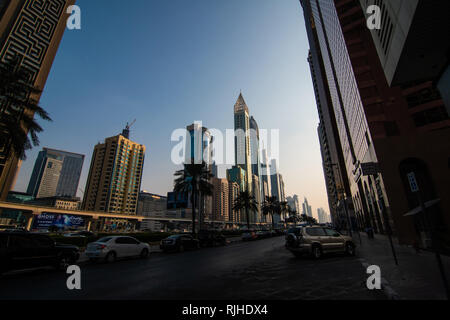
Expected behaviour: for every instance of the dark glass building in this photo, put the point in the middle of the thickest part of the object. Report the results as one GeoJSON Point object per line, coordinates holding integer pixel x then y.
{"type": "Point", "coordinates": [55, 173]}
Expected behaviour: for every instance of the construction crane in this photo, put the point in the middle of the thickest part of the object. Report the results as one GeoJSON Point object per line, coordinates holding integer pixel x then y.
{"type": "Point", "coordinates": [126, 131]}
{"type": "Point", "coordinates": [130, 125]}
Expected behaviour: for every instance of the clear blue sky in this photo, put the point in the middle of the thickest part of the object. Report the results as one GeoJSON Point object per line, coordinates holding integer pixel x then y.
{"type": "Point", "coordinates": [168, 63]}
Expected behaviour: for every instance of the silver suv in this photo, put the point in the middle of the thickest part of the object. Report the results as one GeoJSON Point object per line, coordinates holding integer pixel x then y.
{"type": "Point", "coordinates": [317, 240]}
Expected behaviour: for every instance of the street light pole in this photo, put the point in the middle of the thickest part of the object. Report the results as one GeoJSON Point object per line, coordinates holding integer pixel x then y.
{"type": "Point", "coordinates": [385, 217]}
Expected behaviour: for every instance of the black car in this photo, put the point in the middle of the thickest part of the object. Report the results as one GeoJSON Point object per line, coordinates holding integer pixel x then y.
{"type": "Point", "coordinates": [211, 238]}
{"type": "Point", "coordinates": [179, 242]}
{"type": "Point", "coordinates": [20, 251]}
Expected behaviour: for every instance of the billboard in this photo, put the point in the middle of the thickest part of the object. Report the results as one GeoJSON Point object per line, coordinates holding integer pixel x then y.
{"type": "Point", "coordinates": [62, 221]}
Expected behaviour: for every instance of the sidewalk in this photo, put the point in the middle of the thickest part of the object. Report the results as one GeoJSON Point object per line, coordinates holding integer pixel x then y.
{"type": "Point", "coordinates": [417, 275]}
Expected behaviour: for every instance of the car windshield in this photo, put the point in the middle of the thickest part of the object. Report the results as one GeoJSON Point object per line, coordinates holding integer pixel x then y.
{"type": "Point", "coordinates": [315, 231]}
{"type": "Point", "coordinates": [106, 239]}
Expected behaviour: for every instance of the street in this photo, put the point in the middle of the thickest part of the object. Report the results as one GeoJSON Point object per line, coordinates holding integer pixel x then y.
{"type": "Point", "coordinates": [261, 269]}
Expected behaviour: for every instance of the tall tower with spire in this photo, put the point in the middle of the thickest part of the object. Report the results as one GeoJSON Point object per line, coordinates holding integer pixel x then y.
{"type": "Point", "coordinates": [242, 151]}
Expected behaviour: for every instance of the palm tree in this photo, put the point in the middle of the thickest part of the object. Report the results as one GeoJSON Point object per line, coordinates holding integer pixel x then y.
{"type": "Point", "coordinates": [247, 202]}
{"type": "Point", "coordinates": [270, 207]}
{"type": "Point", "coordinates": [194, 179]}
{"type": "Point", "coordinates": [18, 105]}
{"type": "Point", "coordinates": [292, 216]}
{"type": "Point", "coordinates": [308, 219]}
{"type": "Point", "coordinates": [284, 210]}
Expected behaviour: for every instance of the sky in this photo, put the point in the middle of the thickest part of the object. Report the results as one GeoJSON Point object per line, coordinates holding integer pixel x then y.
{"type": "Point", "coordinates": [168, 63]}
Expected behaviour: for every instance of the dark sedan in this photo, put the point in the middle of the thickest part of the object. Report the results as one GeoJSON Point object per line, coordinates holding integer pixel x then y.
{"type": "Point", "coordinates": [179, 243]}
{"type": "Point", "coordinates": [26, 251]}
{"type": "Point", "coordinates": [211, 238]}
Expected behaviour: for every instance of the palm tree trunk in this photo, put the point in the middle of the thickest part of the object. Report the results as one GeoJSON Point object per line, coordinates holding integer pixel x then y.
{"type": "Point", "coordinates": [248, 218]}
{"type": "Point", "coordinates": [273, 222]}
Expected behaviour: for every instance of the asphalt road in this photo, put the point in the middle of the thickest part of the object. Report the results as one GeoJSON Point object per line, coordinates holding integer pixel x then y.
{"type": "Point", "coordinates": [261, 269]}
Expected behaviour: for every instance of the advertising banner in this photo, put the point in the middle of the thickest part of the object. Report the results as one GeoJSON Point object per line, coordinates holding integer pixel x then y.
{"type": "Point", "coordinates": [62, 221]}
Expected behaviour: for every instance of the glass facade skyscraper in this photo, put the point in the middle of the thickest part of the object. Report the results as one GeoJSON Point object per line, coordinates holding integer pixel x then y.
{"type": "Point", "coordinates": [55, 173]}
{"type": "Point", "coordinates": [385, 129]}
{"type": "Point", "coordinates": [242, 139]}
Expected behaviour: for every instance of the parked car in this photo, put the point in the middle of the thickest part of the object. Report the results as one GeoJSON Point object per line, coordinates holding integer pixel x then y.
{"type": "Point", "coordinates": [179, 243]}
{"type": "Point", "coordinates": [115, 247]}
{"type": "Point", "coordinates": [316, 241]}
{"type": "Point", "coordinates": [263, 234]}
{"type": "Point", "coordinates": [249, 235]}
{"type": "Point", "coordinates": [211, 238]}
{"type": "Point", "coordinates": [25, 250]}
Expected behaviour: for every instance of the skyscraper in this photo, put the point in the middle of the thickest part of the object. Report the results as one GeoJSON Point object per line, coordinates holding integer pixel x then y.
{"type": "Point", "coordinates": [198, 144]}
{"type": "Point", "coordinates": [115, 176]}
{"type": "Point", "coordinates": [335, 174]}
{"type": "Point", "coordinates": [276, 184]}
{"type": "Point", "coordinates": [55, 173]}
{"type": "Point", "coordinates": [221, 201]}
{"type": "Point", "coordinates": [265, 175]}
{"type": "Point", "coordinates": [198, 150]}
{"type": "Point", "coordinates": [282, 194]}
{"type": "Point", "coordinates": [257, 188]}
{"type": "Point", "coordinates": [242, 139]}
{"type": "Point", "coordinates": [391, 118]}
{"type": "Point", "coordinates": [237, 179]}
{"type": "Point", "coordinates": [30, 31]}
{"type": "Point", "coordinates": [257, 195]}
{"type": "Point", "coordinates": [238, 175]}
{"type": "Point", "coordinates": [322, 215]}
{"type": "Point", "coordinates": [306, 208]}
{"type": "Point", "coordinates": [254, 147]}
{"type": "Point", "coordinates": [233, 189]}
{"type": "Point", "coordinates": [293, 203]}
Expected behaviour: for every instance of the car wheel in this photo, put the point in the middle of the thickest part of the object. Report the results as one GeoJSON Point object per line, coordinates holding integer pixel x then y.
{"type": "Point", "coordinates": [110, 257]}
{"type": "Point", "coordinates": [350, 249]}
{"type": "Point", "coordinates": [144, 253]}
{"type": "Point", "coordinates": [317, 252]}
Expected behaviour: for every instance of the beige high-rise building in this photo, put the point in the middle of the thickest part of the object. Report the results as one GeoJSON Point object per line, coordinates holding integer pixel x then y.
{"type": "Point", "coordinates": [50, 177]}
{"type": "Point", "coordinates": [220, 199]}
{"type": "Point", "coordinates": [115, 176]}
{"type": "Point", "coordinates": [233, 193]}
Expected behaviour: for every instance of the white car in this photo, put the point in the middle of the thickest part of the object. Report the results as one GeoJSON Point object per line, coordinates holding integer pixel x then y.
{"type": "Point", "coordinates": [112, 248]}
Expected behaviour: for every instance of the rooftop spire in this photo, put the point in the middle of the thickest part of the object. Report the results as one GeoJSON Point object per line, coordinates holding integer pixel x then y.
{"type": "Point", "coordinates": [240, 104]}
